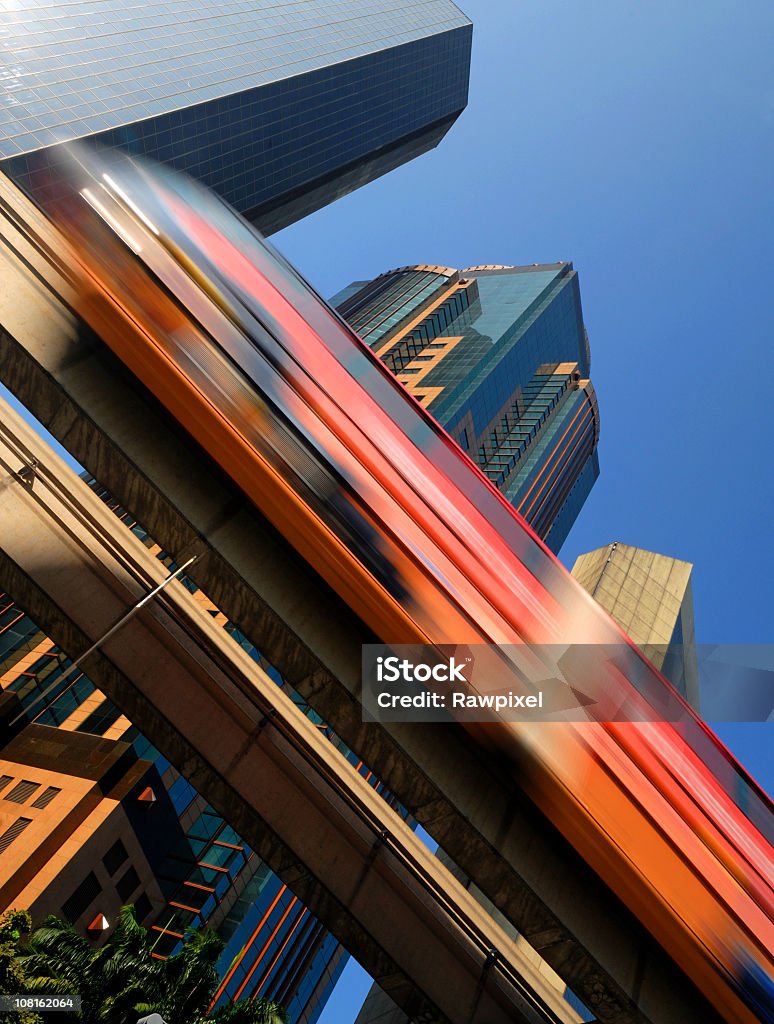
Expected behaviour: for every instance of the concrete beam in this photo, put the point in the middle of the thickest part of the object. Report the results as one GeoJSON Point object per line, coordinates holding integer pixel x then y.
{"type": "Point", "coordinates": [252, 753]}
{"type": "Point", "coordinates": [469, 803]}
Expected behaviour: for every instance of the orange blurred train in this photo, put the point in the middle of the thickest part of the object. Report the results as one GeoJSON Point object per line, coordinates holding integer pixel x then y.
{"type": "Point", "coordinates": [386, 507]}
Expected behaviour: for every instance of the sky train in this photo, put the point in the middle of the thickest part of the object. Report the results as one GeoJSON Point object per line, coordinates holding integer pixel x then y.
{"type": "Point", "coordinates": [397, 519]}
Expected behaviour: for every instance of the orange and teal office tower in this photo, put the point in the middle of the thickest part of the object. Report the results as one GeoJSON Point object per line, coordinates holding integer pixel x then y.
{"type": "Point", "coordinates": [500, 357]}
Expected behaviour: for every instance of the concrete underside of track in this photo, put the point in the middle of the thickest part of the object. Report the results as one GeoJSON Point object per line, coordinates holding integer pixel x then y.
{"type": "Point", "coordinates": [252, 753]}
{"type": "Point", "coordinates": [468, 802]}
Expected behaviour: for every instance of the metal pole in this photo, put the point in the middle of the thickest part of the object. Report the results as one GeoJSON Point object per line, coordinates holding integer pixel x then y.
{"type": "Point", "coordinates": [98, 643]}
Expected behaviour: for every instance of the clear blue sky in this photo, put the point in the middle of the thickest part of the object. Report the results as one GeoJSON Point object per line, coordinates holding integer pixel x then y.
{"type": "Point", "coordinates": [637, 140]}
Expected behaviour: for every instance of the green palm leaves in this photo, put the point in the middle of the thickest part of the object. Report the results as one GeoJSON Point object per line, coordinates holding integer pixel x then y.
{"type": "Point", "coordinates": [123, 980]}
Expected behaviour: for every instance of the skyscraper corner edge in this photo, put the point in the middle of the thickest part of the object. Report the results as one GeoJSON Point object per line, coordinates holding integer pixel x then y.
{"type": "Point", "coordinates": [291, 124]}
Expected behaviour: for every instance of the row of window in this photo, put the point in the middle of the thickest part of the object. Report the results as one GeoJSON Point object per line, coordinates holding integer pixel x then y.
{"type": "Point", "coordinates": [94, 110]}
{"type": "Point", "coordinates": [520, 425]}
{"type": "Point", "coordinates": [90, 889]}
{"type": "Point", "coordinates": [13, 832]}
{"type": "Point", "coordinates": [434, 325]}
{"type": "Point", "coordinates": [385, 302]}
{"type": "Point", "coordinates": [24, 789]}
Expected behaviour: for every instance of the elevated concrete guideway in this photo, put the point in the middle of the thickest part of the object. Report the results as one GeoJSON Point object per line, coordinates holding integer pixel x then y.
{"type": "Point", "coordinates": [469, 804]}
{"type": "Point", "coordinates": [253, 754]}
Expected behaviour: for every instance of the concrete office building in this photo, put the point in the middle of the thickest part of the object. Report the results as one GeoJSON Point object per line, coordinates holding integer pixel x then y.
{"type": "Point", "coordinates": [83, 823]}
{"type": "Point", "coordinates": [279, 107]}
{"type": "Point", "coordinates": [650, 597]}
{"type": "Point", "coordinates": [500, 357]}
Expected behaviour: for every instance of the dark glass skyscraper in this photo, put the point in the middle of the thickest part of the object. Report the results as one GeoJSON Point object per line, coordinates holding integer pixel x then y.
{"type": "Point", "coordinates": [280, 107]}
{"type": "Point", "coordinates": [500, 356]}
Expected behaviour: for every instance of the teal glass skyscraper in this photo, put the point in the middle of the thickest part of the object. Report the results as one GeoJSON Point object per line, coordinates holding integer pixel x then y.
{"type": "Point", "coordinates": [279, 107]}
{"type": "Point", "coordinates": [500, 356]}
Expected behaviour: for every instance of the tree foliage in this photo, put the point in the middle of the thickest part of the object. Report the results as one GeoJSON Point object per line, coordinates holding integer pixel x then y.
{"type": "Point", "coordinates": [122, 980]}
{"type": "Point", "coordinates": [14, 924]}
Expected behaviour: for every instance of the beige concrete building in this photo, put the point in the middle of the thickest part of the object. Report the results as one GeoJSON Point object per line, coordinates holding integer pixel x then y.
{"type": "Point", "coordinates": [73, 812]}
{"type": "Point", "coordinates": [650, 597]}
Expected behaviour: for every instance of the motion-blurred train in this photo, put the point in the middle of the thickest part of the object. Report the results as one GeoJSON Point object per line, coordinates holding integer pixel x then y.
{"type": "Point", "coordinates": [396, 518]}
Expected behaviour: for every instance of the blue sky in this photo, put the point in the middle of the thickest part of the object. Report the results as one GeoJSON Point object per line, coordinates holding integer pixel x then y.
{"type": "Point", "coordinates": [637, 140]}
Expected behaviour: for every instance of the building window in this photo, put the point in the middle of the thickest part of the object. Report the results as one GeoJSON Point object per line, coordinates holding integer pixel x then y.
{"type": "Point", "coordinates": [22, 791]}
{"type": "Point", "coordinates": [85, 894]}
{"type": "Point", "coordinates": [12, 832]}
{"type": "Point", "coordinates": [115, 857]}
{"type": "Point", "coordinates": [46, 797]}
{"type": "Point", "coordinates": [127, 884]}
{"type": "Point", "coordinates": [142, 907]}
{"type": "Point", "coordinates": [100, 720]}
{"type": "Point", "coordinates": [4, 780]}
